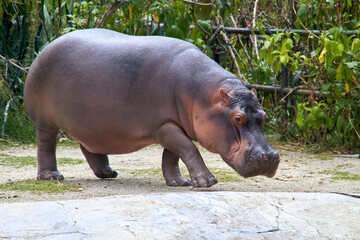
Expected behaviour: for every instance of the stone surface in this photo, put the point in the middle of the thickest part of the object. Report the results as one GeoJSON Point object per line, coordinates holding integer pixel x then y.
{"type": "Point", "coordinates": [190, 215]}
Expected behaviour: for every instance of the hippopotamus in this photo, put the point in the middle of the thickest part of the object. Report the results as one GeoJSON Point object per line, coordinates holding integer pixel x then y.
{"type": "Point", "coordinates": [117, 94]}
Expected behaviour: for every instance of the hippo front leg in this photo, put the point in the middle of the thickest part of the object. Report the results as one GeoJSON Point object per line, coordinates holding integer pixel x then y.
{"type": "Point", "coordinates": [174, 139]}
{"type": "Point", "coordinates": [171, 170]}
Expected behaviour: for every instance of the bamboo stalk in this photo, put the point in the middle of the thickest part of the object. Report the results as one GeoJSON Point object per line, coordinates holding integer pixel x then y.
{"type": "Point", "coordinates": [253, 37]}
{"type": "Point", "coordinates": [233, 56]}
{"type": "Point", "coordinates": [241, 43]}
{"type": "Point", "coordinates": [248, 31]}
{"type": "Point", "coordinates": [286, 90]}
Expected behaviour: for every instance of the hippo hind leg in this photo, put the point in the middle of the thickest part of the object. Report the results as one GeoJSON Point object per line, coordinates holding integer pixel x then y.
{"type": "Point", "coordinates": [47, 169]}
{"type": "Point", "coordinates": [171, 171]}
{"type": "Point", "coordinates": [99, 163]}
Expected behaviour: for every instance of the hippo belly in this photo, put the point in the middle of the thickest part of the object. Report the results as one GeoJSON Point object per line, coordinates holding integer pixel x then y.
{"type": "Point", "coordinates": [116, 94]}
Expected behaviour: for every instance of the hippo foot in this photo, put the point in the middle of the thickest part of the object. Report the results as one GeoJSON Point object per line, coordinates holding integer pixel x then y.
{"type": "Point", "coordinates": [179, 182]}
{"type": "Point", "coordinates": [204, 182]}
{"type": "Point", "coordinates": [108, 173]}
{"type": "Point", "coordinates": [49, 175]}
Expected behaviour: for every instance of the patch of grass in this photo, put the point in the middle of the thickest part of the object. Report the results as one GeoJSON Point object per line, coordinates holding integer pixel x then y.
{"type": "Point", "coordinates": [325, 157]}
{"type": "Point", "coordinates": [338, 175]}
{"type": "Point", "coordinates": [51, 186]}
{"type": "Point", "coordinates": [147, 171]}
{"type": "Point", "coordinates": [4, 144]}
{"type": "Point", "coordinates": [14, 161]}
{"type": "Point", "coordinates": [18, 162]}
{"type": "Point", "coordinates": [69, 161]}
{"type": "Point", "coordinates": [348, 165]}
{"type": "Point", "coordinates": [226, 175]}
{"type": "Point", "coordinates": [298, 160]}
{"type": "Point", "coordinates": [157, 172]}
{"type": "Point", "coordinates": [68, 143]}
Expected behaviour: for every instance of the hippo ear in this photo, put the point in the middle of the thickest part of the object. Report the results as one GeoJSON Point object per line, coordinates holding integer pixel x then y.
{"type": "Point", "coordinates": [225, 95]}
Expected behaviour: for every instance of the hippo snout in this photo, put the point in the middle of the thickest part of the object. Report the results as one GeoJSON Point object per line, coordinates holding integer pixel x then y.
{"type": "Point", "coordinates": [269, 162]}
{"type": "Point", "coordinates": [258, 162]}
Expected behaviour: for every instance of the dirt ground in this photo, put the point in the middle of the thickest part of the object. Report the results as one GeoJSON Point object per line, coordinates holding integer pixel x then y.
{"type": "Point", "coordinates": [139, 172]}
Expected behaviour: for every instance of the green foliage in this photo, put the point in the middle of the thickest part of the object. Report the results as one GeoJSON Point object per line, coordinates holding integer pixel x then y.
{"type": "Point", "coordinates": [18, 162]}
{"type": "Point", "coordinates": [18, 125]}
{"type": "Point", "coordinates": [50, 186]}
{"type": "Point", "coordinates": [329, 62]}
{"type": "Point", "coordinates": [340, 175]}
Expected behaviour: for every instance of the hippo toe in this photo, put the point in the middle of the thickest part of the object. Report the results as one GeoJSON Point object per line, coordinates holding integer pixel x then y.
{"type": "Point", "coordinates": [49, 175]}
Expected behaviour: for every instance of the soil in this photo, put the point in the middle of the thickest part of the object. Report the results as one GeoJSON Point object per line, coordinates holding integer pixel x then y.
{"type": "Point", "coordinates": [299, 171]}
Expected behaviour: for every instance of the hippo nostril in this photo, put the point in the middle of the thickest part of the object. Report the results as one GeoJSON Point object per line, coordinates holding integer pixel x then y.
{"type": "Point", "coordinates": [264, 156]}
{"type": "Point", "coordinates": [275, 157]}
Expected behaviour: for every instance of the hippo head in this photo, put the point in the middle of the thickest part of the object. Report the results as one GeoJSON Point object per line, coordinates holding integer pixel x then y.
{"type": "Point", "coordinates": [232, 127]}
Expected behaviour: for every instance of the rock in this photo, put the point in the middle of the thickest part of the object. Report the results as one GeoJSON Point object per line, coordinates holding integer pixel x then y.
{"type": "Point", "coordinates": [190, 215]}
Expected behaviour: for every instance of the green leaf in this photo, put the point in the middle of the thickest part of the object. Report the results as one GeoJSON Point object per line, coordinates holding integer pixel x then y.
{"type": "Point", "coordinates": [270, 58]}
{"type": "Point", "coordinates": [204, 12]}
{"type": "Point", "coordinates": [337, 92]}
{"type": "Point", "coordinates": [289, 44]}
{"type": "Point", "coordinates": [355, 45]}
{"type": "Point", "coordinates": [331, 74]}
{"type": "Point", "coordinates": [183, 24]}
{"type": "Point", "coordinates": [339, 124]}
{"type": "Point", "coordinates": [329, 98]}
{"type": "Point", "coordinates": [329, 57]}
{"type": "Point", "coordinates": [294, 66]}
{"type": "Point", "coordinates": [262, 30]}
{"type": "Point", "coordinates": [262, 53]}
{"type": "Point", "coordinates": [267, 44]}
{"type": "Point", "coordinates": [206, 25]}
{"type": "Point", "coordinates": [277, 37]}
{"type": "Point", "coordinates": [175, 32]}
{"type": "Point", "coordinates": [331, 2]}
{"type": "Point", "coordinates": [300, 118]}
{"type": "Point", "coordinates": [284, 59]}
{"type": "Point", "coordinates": [339, 72]}
{"type": "Point", "coordinates": [302, 14]}
{"type": "Point", "coordinates": [326, 86]}
{"type": "Point", "coordinates": [95, 11]}
{"type": "Point", "coordinates": [278, 66]}
{"type": "Point", "coordinates": [352, 64]}
{"type": "Point", "coordinates": [47, 16]}
{"type": "Point", "coordinates": [340, 48]}
{"type": "Point", "coordinates": [329, 122]}
{"type": "Point", "coordinates": [297, 37]}
{"type": "Point", "coordinates": [337, 33]}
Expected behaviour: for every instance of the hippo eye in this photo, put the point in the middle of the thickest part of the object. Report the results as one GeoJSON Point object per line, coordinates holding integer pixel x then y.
{"type": "Point", "coordinates": [239, 119]}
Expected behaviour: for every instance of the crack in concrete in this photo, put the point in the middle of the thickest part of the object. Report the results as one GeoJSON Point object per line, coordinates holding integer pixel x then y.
{"type": "Point", "coordinates": [128, 228]}
{"type": "Point", "coordinates": [56, 234]}
{"type": "Point", "coordinates": [317, 230]}
{"type": "Point", "coordinates": [276, 229]}
{"type": "Point", "coordinates": [77, 231]}
{"type": "Point", "coordinates": [258, 231]}
{"type": "Point", "coordinates": [279, 209]}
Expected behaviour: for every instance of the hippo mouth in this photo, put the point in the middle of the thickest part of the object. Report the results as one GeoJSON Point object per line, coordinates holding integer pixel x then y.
{"type": "Point", "coordinates": [254, 165]}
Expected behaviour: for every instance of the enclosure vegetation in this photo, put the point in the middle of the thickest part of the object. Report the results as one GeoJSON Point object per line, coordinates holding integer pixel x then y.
{"type": "Point", "coordinates": [327, 61]}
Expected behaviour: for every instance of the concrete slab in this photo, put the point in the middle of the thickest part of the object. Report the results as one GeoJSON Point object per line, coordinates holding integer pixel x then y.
{"type": "Point", "coordinates": [191, 215]}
